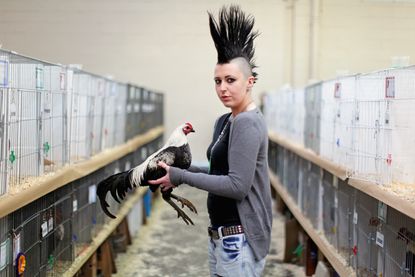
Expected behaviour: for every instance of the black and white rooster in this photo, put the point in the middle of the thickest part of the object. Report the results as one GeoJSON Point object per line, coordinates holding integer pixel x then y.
{"type": "Point", "coordinates": [176, 152]}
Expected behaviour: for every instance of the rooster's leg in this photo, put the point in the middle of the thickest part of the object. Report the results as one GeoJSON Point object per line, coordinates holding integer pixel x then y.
{"type": "Point", "coordinates": [180, 213]}
{"type": "Point", "coordinates": [184, 202]}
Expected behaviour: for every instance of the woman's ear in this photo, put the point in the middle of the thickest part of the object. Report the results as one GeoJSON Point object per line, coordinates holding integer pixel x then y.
{"type": "Point", "coordinates": [251, 81]}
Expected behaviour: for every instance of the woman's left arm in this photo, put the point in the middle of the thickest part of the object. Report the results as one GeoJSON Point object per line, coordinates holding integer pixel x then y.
{"type": "Point", "coordinates": [243, 151]}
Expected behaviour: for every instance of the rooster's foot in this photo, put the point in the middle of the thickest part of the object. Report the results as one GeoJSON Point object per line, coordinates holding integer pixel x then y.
{"type": "Point", "coordinates": [184, 202]}
{"type": "Point", "coordinates": [180, 213]}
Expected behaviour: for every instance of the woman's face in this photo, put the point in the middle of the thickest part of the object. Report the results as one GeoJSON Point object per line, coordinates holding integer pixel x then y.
{"type": "Point", "coordinates": [233, 86]}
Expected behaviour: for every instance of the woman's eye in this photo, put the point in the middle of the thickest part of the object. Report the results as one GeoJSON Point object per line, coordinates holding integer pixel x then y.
{"type": "Point", "coordinates": [230, 80]}
{"type": "Point", "coordinates": [217, 82]}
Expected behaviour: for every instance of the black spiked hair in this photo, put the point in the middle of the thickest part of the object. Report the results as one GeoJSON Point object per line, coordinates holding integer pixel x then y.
{"type": "Point", "coordinates": [233, 35]}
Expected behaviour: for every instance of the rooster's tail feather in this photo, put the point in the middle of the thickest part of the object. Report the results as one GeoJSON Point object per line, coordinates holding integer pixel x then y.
{"type": "Point", "coordinates": [118, 185]}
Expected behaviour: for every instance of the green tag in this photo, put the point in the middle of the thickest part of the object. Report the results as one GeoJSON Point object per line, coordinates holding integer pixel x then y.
{"type": "Point", "coordinates": [299, 250]}
{"type": "Point", "coordinates": [46, 147]}
{"type": "Point", "coordinates": [12, 156]}
{"type": "Point", "coordinates": [51, 260]}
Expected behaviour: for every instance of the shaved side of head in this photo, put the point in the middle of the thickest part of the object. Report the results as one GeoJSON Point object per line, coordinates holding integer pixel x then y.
{"type": "Point", "coordinates": [243, 65]}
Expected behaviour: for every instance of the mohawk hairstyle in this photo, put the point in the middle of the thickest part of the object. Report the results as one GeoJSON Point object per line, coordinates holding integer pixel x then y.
{"type": "Point", "coordinates": [233, 35]}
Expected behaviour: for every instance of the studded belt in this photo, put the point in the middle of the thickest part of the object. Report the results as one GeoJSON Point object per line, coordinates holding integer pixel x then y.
{"type": "Point", "coordinates": [225, 231]}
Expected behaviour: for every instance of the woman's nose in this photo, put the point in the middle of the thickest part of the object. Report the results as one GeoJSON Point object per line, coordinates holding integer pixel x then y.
{"type": "Point", "coordinates": [222, 86]}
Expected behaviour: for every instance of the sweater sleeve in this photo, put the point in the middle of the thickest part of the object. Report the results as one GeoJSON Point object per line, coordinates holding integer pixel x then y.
{"type": "Point", "coordinates": [242, 158]}
{"type": "Point", "coordinates": [198, 169]}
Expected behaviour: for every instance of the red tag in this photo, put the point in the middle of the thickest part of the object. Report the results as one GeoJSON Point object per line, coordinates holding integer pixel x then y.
{"type": "Point", "coordinates": [389, 159]}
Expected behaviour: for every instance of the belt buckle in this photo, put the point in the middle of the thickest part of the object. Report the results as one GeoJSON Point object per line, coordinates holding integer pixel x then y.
{"type": "Point", "coordinates": [220, 232]}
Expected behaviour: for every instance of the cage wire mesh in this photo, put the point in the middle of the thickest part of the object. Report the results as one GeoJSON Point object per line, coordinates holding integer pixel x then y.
{"type": "Point", "coordinates": [329, 208]}
{"type": "Point", "coordinates": [345, 197]}
{"type": "Point", "coordinates": [384, 113]}
{"type": "Point", "coordinates": [110, 99]}
{"type": "Point", "coordinates": [312, 117]}
{"type": "Point", "coordinates": [291, 174]}
{"type": "Point", "coordinates": [4, 88]}
{"type": "Point", "coordinates": [344, 91]}
{"type": "Point", "coordinates": [120, 114]}
{"type": "Point", "coordinates": [396, 257]}
{"type": "Point", "coordinates": [311, 195]}
{"type": "Point", "coordinates": [26, 80]}
{"type": "Point", "coordinates": [373, 242]}
{"type": "Point", "coordinates": [97, 110]}
{"type": "Point", "coordinates": [80, 115]}
{"type": "Point", "coordinates": [365, 230]}
{"type": "Point", "coordinates": [328, 116]}
{"type": "Point", "coordinates": [51, 115]}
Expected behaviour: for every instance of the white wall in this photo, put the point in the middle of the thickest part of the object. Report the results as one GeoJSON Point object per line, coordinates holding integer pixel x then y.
{"type": "Point", "coordinates": [162, 45]}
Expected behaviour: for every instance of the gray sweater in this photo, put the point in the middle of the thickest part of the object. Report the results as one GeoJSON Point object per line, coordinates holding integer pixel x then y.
{"type": "Point", "coordinates": [247, 181]}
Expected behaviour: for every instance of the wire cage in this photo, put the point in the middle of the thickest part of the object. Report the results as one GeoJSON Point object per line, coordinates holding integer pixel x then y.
{"type": "Point", "coordinates": [146, 109]}
{"type": "Point", "coordinates": [63, 255]}
{"type": "Point", "coordinates": [133, 115]}
{"type": "Point", "coordinates": [80, 93]}
{"type": "Point", "coordinates": [280, 157]}
{"type": "Point", "coordinates": [344, 91]}
{"type": "Point", "coordinates": [110, 104]}
{"type": "Point", "coordinates": [329, 208]}
{"type": "Point", "coordinates": [159, 110]}
{"type": "Point", "coordinates": [312, 117]}
{"type": "Point", "coordinates": [23, 80]}
{"type": "Point", "coordinates": [98, 111]}
{"type": "Point", "coordinates": [311, 191]}
{"type": "Point", "coordinates": [364, 219]}
{"type": "Point", "coordinates": [120, 114]}
{"type": "Point", "coordinates": [396, 253]}
{"type": "Point", "coordinates": [82, 215]}
{"type": "Point", "coordinates": [5, 247]}
{"type": "Point", "coordinates": [328, 117]}
{"type": "Point", "coordinates": [345, 210]}
{"type": "Point", "coordinates": [4, 88]}
{"type": "Point", "coordinates": [53, 120]}
{"type": "Point", "coordinates": [304, 167]}
{"type": "Point", "coordinates": [291, 176]}
{"type": "Point", "coordinates": [383, 127]}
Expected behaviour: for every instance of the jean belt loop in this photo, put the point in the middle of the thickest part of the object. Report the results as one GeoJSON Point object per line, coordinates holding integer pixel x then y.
{"type": "Point", "coordinates": [220, 232]}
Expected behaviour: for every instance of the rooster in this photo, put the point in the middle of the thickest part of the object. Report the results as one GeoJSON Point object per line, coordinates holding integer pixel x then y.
{"type": "Point", "coordinates": [176, 152]}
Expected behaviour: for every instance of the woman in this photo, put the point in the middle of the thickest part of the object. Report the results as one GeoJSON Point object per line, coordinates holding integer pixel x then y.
{"type": "Point", "coordinates": [239, 199]}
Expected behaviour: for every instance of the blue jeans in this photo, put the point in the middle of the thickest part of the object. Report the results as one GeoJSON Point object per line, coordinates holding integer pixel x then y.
{"type": "Point", "coordinates": [232, 256]}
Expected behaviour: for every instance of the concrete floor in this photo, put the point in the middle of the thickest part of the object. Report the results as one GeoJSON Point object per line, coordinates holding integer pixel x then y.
{"type": "Point", "coordinates": [166, 246]}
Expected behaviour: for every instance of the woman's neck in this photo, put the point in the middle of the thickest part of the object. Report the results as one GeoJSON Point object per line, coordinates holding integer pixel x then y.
{"type": "Point", "coordinates": [249, 105]}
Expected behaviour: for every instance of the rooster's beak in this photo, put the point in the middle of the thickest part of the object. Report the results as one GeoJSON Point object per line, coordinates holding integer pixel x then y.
{"type": "Point", "coordinates": [193, 131]}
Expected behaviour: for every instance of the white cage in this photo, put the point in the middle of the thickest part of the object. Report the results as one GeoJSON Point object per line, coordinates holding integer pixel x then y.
{"type": "Point", "coordinates": [345, 93]}
{"type": "Point", "coordinates": [97, 110]}
{"type": "Point", "coordinates": [382, 136]}
{"type": "Point", "coordinates": [120, 114]}
{"type": "Point", "coordinates": [53, 120]}
{"type": "Point", "coordinates": [328, 117]}
{"type": "Point", "coordinates": [80, 116]}
{"type": "Point", "coordinates": [110, 99]}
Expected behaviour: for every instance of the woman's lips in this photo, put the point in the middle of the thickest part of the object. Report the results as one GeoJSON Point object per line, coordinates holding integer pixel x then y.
{"type": "Point", "coordinates": [225, 98]}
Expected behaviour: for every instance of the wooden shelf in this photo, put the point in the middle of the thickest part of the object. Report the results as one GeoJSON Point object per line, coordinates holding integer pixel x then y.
{"type": "Point", "coordinates": [105, 232]}
{"type": "Point", "coordinates": [328, 250]}
{"type": "Point", "coordinates": [309, 155]}
{"type": "Point", "coordinates": [379, 192]}
{"type": "Point", "coordinates": [45, 184]}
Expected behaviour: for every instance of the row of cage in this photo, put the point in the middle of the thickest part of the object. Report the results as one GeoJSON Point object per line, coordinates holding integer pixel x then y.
{"type": "Point", "coordinates": [58, 227]}
{"type": "Point", "coordinates": [52, 115]}
{"type": "Point", "coordinates": [371, 237]}
{"type": "Point", "coordinates": [362, 122]}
